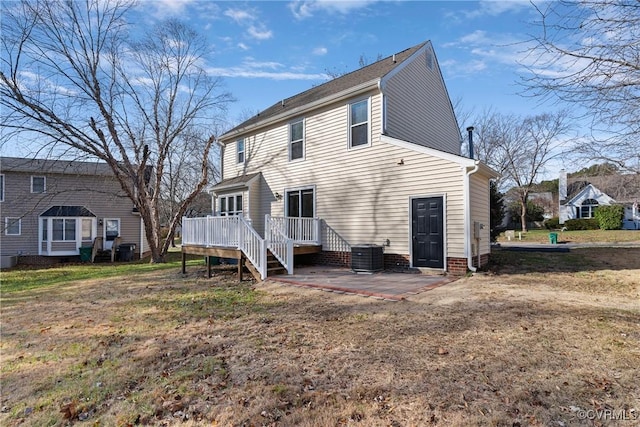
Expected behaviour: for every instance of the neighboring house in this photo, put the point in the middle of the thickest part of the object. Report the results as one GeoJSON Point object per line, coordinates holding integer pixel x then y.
{"type": "Point", "coordinates": [372, 157]}
{"type": "Point", "coordinates": [546, 201]}
{"type": "Point", "coordinates": [51, 208]}
{"type": "Point", "coordinates": [580, 197]}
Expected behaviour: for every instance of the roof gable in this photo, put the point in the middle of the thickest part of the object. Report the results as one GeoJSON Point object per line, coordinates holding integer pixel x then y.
{"type": "Point", "coordinates": [590, 192]}
{"type": "Point", "coordinates": [623, 188]}
{"type": "Point", "coordinates": [365, 76]}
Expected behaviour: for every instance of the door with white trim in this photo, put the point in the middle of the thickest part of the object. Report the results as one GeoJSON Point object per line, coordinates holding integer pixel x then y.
{"type": "Point", "coordinates": [111, 231]}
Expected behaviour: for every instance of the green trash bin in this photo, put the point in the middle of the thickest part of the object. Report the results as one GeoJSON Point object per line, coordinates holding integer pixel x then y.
{"type": "Point", "coordinates": [553, 238]}
{"type": "Point", "coordinates": [85, 253]}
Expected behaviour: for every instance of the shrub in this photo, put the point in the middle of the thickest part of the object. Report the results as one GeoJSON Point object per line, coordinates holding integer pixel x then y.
{"type": "Point", "coordinates": [610, 217]}
{"type": "Point", "coordinates": [582, 224]}
{"type": "Point", "coordinates": [552, 223]}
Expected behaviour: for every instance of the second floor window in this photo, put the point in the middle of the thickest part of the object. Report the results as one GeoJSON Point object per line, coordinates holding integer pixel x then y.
{"type": "Point", "coordinates": [240, 150]}
{"type": "Point", "coordinates": [359, 123]}
{"type": "Point", "coordinates": [296, 140]}
{"type": "Point", "coordinates": [38, 184]}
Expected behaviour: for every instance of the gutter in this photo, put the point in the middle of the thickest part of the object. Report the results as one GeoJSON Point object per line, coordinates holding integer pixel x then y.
{"type": "Point", "coordinates": [468, 229]}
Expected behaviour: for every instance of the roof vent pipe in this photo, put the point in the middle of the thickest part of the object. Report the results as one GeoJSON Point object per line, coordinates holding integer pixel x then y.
{"type": "Point", "coordinates": [470, 130]}
{"type": "Point", "coordinates": [394, 58]}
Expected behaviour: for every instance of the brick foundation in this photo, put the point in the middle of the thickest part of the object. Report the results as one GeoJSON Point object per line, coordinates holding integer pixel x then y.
{"type": "Point", "coordinates": [396, 261]}
{"type": "Point", "coordinates": [458, 266]}
{"type": "Point", "coordinates": [334, 258]}
{"type": "Point", "coordinates": [36, 260]}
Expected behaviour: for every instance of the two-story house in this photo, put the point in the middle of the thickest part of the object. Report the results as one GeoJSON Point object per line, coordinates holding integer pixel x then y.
{"type": "Point", "coordinates": [49, 209]}
{"type": "Point", "coordinates": [371, 157]}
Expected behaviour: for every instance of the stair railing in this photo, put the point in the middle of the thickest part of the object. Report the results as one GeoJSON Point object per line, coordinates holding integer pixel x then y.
{"type": "Point", "coordinates": [253, 246]}
{"type": "Point", "coordinates": [278, 243]}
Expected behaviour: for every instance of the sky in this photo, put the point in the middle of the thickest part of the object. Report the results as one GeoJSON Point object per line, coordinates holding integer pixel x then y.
{"type": "Point", "coordinates": [265, 51]}
{"type": "Point", "coordinates": [269, 50]}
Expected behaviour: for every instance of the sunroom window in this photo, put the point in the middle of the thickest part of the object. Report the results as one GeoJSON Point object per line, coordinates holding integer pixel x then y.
{"type": "Point", "coordinates": [230, 205]}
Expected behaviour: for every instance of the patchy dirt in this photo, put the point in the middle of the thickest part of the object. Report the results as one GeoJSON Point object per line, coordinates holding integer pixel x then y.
{"type": "Point", "coordinates": [540, 345]}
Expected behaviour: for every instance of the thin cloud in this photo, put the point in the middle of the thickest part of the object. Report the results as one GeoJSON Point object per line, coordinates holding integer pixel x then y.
{"type": "Point", "coordinates": [259, 33]}
{"type": "Point", "coordinates": [320, 51]}
{"type": "Point", "coordinates": [307, 9]}
{"type": "Point", "coordinates": [250, 68]}
{"type": "Point", "coordinates": [239, 15]}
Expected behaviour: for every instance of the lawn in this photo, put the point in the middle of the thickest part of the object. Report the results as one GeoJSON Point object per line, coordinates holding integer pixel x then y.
{"type": "Point", "coordinates": [541, 339]}
{"type": "Point", "coordinates": [578, 236]}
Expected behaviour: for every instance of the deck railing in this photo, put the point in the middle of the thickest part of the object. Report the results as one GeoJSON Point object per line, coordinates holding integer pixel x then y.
{"type": "Point", "coordinates": [281, 233]}
{"type": "Point", "coordinates": [300, 230]}
{"type": "Point", "coordinates": [278, 243]}
{"type": "Point", "coordinates": [229, 232]}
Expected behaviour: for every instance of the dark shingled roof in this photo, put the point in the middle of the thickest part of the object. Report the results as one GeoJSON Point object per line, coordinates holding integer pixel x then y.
{"type": "Point", "coordinates": [237, 181]}
{"type": "Point", "coordinates": [371, 72]}
{"type": "Point", "coordinates": [68, 211]}
{"type": "Point", "coordinates": [70, 167]}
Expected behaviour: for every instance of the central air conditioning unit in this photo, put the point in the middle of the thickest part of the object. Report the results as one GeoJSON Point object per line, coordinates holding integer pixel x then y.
{"type": "Point", "coordinates": [367, 258]}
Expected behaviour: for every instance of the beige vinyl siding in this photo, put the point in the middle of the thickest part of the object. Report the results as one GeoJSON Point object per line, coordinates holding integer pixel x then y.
{"type": "Point", "coordinates": [418, 107]}
{"type": "Point", "coordinates": [480, 209]}
{"type": "Point", "coordinates": [100, 194]}
{"type": "Point", "coordinates": [362, 194]}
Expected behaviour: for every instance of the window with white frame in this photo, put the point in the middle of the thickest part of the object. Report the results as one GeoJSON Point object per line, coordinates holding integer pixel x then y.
{"type": "Point", "coordinates": [1, 188]}
{"type": "Point", "coordinates": [359, 123]}
{"type": "Point", "coordinates": [12, 226]}
{"type": "Point", "coordinates": [588, 208]}
{"type": "Point", "coordinates": [38, 184]}
{"type": "Point", "coordinates": [64, 229]}
{"type": "Point", "coordinates": [230, 205]}
{"type": "Point", "coordinates": [296, 140]}
{"type": "Point", "coordinates": [240, 151]}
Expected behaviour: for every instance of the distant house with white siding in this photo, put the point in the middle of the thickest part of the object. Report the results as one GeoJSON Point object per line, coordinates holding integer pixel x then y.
{"type": "Point", "coordinates": [51, 208]}
{"type": "Point", "coordinates": [369, 158]}
{"type": "Point", "coordinates": [581, 196]}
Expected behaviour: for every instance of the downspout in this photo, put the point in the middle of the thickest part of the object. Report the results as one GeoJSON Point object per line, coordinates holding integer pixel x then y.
{"type": "Point", "coordinates": [467, 223]}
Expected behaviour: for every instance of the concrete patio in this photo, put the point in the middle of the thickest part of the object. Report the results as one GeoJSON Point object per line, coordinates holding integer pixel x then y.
{"type": "Point", "coordinates": [391, 286]}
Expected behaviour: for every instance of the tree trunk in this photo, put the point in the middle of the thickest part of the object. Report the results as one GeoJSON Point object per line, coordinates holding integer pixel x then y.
{"type": "Point", "coordinates": [523, 215]}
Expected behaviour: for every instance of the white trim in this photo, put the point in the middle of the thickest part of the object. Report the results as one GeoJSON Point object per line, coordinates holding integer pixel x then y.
{"type": "Point", "coordinates": [104, 231]}
{"type": "Point", "coordinates": [300, 188]}
{"type": "Point", "coordinates": [11, 219]}
{"type": "Point", "coordinates": [235, 203]}
{"type": "Point", "coordinates": [444, 226]}
{"type": "Point", "coordinates": [142, 237]}
{"type": "Point", "coordinates": [244, 151]}
{"type": "Point", "coordinates": [44, 184]}
{"type": "Point", "coordinates": [368, 122]}
{"type": "Point", "coordinates": [468, 226]}
{"type": "Point", "coordinates": [304, 139]}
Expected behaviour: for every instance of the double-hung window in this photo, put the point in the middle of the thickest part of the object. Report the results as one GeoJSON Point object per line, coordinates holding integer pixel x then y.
{"type": "Point", "coordinates": [64, 229]}
{"type": "Point", "coordinates": [359, 124]}
{"type": "Point", "coordinates": [296, 140]}
{"type": "Point", "coordinates": [38, 184]}
{"type": "Point", "coordinates": [240, 150]}
{"type": "Point", "coordinates": [588, 208]}
{"type": "Point", "coordinates": [230, 205]}
{"type": "Point", "coordinates": [12, 226]}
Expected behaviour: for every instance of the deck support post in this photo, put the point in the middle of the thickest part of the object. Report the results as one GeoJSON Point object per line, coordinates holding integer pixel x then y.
{"type": "Point", "coordinates": [208, 267]}
{"type": "Point", "coordinates": [184, 262]}
{"type": "Point", "coordinates": [240, 262]}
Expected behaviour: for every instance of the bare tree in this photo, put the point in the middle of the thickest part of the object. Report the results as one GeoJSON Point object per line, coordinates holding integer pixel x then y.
{"type": "Point", "coordinates": [71, 77]}
{"type": "Point", "coordinates": [587, 54]}
{"type": "Point", "coordinates": [519, 148]}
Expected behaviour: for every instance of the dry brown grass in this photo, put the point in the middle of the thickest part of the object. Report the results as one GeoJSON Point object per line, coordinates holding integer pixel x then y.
{"type": "Point", "coordinates": [534, 342]}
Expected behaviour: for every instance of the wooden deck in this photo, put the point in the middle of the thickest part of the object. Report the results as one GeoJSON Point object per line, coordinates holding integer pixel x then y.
{"type": "Point", "coordinates": [233, 253]}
